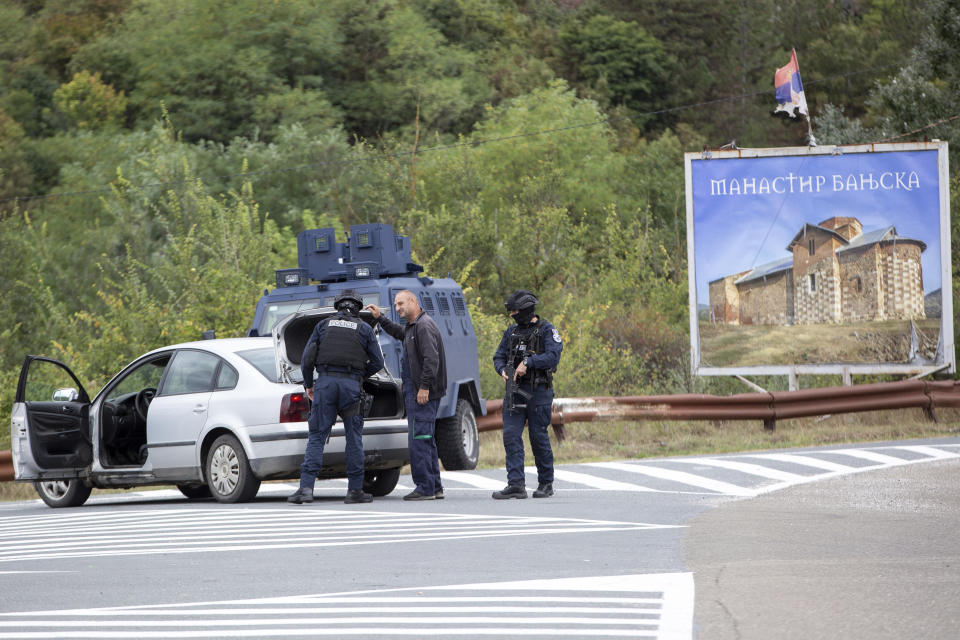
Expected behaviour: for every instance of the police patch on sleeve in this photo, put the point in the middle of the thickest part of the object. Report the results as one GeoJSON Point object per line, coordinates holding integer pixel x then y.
{"type": "Point", "coordinates": [556, 336]}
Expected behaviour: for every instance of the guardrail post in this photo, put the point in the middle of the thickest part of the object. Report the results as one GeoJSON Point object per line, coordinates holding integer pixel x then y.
{"type": "Point", "coordinates": [770, 424]}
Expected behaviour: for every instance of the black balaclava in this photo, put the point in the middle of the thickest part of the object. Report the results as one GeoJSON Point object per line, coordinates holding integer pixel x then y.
{"type": "Point", "coordinates": [523, 316]}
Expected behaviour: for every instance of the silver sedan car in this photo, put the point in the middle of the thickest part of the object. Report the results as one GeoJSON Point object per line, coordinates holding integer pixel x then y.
{"type": "Point", "coordinates": [212, 417]}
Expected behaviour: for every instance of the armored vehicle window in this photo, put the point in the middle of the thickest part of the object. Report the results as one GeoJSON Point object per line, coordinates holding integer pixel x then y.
{"type": "Point", "coordinates": [426, 302]}
{"type": "Point", "coordinates": [459, 306]}
{"type": "Point", "coordinates": [277, 311]}
{"type": "Point", "coordinates": [444, 305]}
{"type": "Point", "coordinates": [368, 298]}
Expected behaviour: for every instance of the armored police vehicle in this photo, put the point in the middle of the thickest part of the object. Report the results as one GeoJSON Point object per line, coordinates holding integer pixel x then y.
{"type": "Point", "coordinates": [377, 264]}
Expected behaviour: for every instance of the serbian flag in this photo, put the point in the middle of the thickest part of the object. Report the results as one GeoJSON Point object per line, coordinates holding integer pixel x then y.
{"type": "Point", "coordinates": [790, 96]}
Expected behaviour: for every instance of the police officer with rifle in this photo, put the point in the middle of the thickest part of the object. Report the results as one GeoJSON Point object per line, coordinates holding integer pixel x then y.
{"type": "Point", "coordinates": [344, 351]}
{"type": "Point", "coordinates": [527, 358]}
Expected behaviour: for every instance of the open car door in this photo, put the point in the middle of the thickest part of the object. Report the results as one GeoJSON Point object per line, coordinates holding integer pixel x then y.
{"type": "Point", "coordinates": [50, 426]}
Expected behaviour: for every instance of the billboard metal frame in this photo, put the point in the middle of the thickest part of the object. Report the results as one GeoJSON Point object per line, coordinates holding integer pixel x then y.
{"type": "Point", "coordinates": [948, 364]}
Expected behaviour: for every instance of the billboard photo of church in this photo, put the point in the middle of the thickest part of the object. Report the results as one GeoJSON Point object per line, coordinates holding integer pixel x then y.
{"type": "Point", "coordinates": [820, 260]}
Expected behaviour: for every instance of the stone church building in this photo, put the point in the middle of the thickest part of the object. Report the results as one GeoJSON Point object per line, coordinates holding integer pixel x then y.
{"type": "Point", "coordinates": [835, 273]}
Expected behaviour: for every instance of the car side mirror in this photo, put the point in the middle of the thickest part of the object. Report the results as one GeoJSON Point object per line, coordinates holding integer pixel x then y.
{"type": "Point", "coordinates": [68, 394]}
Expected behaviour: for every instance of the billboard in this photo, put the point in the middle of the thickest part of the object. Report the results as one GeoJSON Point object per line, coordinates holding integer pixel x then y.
{"type": "Point", "coordinates": [830, 259]}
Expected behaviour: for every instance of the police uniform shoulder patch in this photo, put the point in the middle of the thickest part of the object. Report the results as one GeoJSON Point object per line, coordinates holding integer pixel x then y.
{"type": "Point", "coordinates": [556, 336]}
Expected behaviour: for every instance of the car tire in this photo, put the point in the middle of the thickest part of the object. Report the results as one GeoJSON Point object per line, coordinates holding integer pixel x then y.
{"type": "Point", "coordinates": [381, 482]}
{"type": "Point", "coordinates": [195, 492]}
{"type": "Point", "coordinates": [228, 472]}
{"type": "Point", "coordinates": [63, 493]}
{"type": "Point", "coordinates": [458, 443]}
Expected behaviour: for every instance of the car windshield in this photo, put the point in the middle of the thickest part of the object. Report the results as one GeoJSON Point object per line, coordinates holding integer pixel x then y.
{"type": "Point", "coordinates": [264, 360]}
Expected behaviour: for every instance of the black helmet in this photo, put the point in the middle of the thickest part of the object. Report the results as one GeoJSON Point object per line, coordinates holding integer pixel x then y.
{"type": "Point", "coordinates": [348, 298]}
{"type": "Point", "coordinates": [520, 299]}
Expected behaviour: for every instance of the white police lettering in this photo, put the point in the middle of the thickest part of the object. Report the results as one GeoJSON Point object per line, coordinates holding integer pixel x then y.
{"type": "Point", "coordinates": [345, 324]}
{"type": "Point", "coordinates": [556, 336]}
{"type": "Point", "coordinates": [793, 183]}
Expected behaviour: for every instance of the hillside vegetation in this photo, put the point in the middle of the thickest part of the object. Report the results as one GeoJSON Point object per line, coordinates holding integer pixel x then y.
{"type": "Point", "coordinates": [157, 158]}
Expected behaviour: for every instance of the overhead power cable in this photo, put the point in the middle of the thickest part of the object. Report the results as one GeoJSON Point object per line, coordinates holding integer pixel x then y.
{"type": "Point", "coordinates": [444, 147]}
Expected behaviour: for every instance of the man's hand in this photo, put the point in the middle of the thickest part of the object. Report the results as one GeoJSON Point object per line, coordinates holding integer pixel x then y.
{"type": "Point", "coordinates": [423, 396]}
{"type": "Point", "coordinates": [503, 374]}
{"type": "Point", "coordinates": [374, 311]}
{"type": "Point", "coordinates": [310, 393]}
{"type": "Point", "coordinates": [520, 370]}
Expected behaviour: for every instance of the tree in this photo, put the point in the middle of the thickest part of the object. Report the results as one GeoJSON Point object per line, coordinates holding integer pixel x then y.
{"type": "Point", "coordinates": [88, 103]}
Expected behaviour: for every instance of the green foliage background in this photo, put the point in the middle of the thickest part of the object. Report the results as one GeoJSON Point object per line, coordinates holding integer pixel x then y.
{"type": "Point", "coordinates": [158, 158]}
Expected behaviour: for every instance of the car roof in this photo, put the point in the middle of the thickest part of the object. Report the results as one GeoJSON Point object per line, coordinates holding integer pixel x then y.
{"type": "Point", "coordinates": [222, 346]}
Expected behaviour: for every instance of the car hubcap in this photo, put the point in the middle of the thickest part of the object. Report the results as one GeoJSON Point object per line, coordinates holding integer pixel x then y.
{"type": "Point", "coordinates": [56, 489]}
{"type": "Point", "coordinates": [225, 469]}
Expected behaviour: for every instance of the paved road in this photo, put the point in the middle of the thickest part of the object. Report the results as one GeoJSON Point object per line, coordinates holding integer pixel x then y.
{"type": "Point", "coordinates": [623, 550]}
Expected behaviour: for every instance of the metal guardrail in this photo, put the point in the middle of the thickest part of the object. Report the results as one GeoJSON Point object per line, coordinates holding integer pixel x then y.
{"type": "Point", "coordinates": [765, 406]}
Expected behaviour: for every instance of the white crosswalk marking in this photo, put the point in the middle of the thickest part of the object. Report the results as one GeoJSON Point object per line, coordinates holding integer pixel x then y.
{"type": "Point", "coordinates": [472, 479]}
{"type": "Point", "coordinates": [744, 467]}
{"type": "Point", "coordinates": [806, 461]}
{"type": "Point", "coordinates": [932, 452]}
{"type": "Point", "coordinates": [210, 528]}
{"type": "Point", "coordinates": [656, 606]}
{"type": "Point", "coordinates": [872, 456]}
{"type": "Point", "coordinates": [592, 481]}
{"type": "Point", "coordinates": [681, 477]}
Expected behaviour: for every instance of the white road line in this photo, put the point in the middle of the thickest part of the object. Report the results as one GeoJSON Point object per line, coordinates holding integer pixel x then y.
{"type": "Point", "coordinates": [656, 606]}
{"type": "Point", "coordinates": [312, 631]}
{"type": "Point", "coordinates": [681, 477]}
{"type": "Point", "coordinates": [591, 481]}
{"type": "Point", "coordinates": [472, 479]}
{"type": "Point", "coordinates": [932, 452]}
{"type": "Point", "coordinates": [872, 456]}
{"type": "Point", "coordinates": [805, 461]}
{"type": "Point", "coordinates": [744, 467]}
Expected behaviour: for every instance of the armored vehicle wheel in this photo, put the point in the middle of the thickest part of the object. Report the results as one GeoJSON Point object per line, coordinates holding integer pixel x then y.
{"type": "Point", "coordinates": [381, 482]}
{"type": "Point", "coordinates": [458, 443]}
{"type": "Point", "coordinates": [63, 493]}
{"type": "Point", "coordinates": [228, 472]}
{"type": "Point", "coordinates": [195, 492]}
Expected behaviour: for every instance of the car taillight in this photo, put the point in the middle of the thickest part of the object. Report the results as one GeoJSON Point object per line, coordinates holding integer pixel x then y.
{"type": "Point", "coordinates": [295, 407]}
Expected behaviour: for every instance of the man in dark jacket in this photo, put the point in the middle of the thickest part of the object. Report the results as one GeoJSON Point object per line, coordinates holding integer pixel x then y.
{"type": "Point", "coordinates": [424, 374]}
{"type": "Point", "coordinates": [344, 350]}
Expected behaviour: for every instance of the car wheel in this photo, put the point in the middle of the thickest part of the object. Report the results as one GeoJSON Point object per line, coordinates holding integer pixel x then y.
{"type": "Point", "coordinates": [228, 472]}
{"type": "Point", "coordinates": [195, 492]}
{"type": "Point", "coordinates": [63, 493]}
{"type": "Point", "coordinates": [381, 482]}
{"type": "Point", "coordinates": [458, 443]}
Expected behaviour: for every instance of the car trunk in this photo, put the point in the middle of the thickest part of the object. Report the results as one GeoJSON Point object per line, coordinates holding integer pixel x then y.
{"type": "Point", "coordinates": [290, 337]}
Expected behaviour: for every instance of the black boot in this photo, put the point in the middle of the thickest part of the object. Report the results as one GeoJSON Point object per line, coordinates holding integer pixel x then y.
{"type": "Point", "coordinates": [356, 496]}
{"type": "Point", "coordinates": [510, 491]}
{"type": "Point", "coordinates": [544, 491]}
{"type": "Point", "coordinates": [301, 496]}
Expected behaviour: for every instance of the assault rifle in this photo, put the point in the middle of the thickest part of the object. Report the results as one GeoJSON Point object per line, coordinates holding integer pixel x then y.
{"type": "Point", "coordinates": [513, 390]}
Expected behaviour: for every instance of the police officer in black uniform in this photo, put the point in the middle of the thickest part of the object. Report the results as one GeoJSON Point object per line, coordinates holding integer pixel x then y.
{"type": "Point", "coordinates": [344, 351]}
{"type": "Point", "coordinates": [532, 348]}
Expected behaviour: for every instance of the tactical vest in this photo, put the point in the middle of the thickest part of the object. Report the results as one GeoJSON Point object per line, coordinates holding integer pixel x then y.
{"type": "Point", "coordinates": [528, 341]}
{"type": "Point", "coordinates": [342, 346]}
